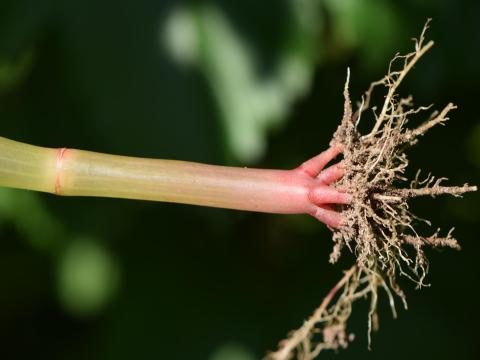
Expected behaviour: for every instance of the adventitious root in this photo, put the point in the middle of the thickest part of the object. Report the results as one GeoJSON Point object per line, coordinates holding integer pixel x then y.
{"type": "Point", "coordinates": [378, 227]}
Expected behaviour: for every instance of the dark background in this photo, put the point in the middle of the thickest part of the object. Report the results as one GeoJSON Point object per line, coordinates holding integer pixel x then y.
{"type": "Point", "coordinates": [115, 279]}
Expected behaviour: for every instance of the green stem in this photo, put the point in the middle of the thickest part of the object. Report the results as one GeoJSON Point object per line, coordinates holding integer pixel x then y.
{"type": "Point", "coordinates": [85, 173]}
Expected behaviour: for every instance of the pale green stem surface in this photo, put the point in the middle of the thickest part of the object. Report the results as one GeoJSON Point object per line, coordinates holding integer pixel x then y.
{"type": "Point", "coordinates": [86, 173]}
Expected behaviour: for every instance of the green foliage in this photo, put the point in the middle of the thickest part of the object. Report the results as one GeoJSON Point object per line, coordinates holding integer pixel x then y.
{"type": "Point", "coordinates": [373, 27]}
{"type": "Point", "coordinates": [32, 219]}
{"type": "Point", "coordinates": [87, 277]}
{"type": "Point", "coordinates": [250, 102]}
{"type": "Point", "coordinates": [231, 351]}
{"type": "Point", "coordinates": [473, 145]}
{"type": "Point", "coordinates": [13, 73]}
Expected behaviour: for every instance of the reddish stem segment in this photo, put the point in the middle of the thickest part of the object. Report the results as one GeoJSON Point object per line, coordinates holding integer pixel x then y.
{"type": "Point", "coordinates": [305, 190]}
{"type": "Point", "coordinates": [58, 169]}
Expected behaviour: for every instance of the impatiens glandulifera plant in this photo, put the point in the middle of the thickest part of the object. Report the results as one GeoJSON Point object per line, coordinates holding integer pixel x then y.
{"type": "Point", "coordinates": [359, 198]}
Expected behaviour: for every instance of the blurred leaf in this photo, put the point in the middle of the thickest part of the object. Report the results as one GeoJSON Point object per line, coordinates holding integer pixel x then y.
{"type": "Point", "coordinates": [13, 73]}
{"type": "Point", "coordinates": [88, 277]}
{"type": "Point", "coordinates": [371, 26]}
{"type": "Point", "coordinates": [467, 211]}
{"type": "Point", "coordinates": [473, 146]}
{"type": "Point", "coordinates": [250, 103]}
{"type": "Point", "coordinates": [231, 351]}
{"type": "Point", "coordinates": [31, 218]}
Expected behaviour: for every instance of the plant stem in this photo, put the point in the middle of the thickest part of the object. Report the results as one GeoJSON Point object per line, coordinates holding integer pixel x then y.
{"type": "Point", "coordinates": [85, 173]}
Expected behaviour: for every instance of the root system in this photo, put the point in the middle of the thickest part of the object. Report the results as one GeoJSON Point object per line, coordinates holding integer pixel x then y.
{"type": "Point", "coordinates": [379, 229]}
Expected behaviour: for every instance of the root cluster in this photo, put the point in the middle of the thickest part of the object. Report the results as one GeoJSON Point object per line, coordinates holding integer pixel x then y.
{"type": "Point", "coordinates": [379, 229]}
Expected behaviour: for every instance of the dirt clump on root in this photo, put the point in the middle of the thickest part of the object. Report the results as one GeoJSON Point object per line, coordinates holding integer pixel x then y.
{"type": "Point", "coordinates": [378, 225]}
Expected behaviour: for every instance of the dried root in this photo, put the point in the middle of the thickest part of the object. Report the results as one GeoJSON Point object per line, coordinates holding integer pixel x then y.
{"type": "Point", "coordinates": [378, 226]}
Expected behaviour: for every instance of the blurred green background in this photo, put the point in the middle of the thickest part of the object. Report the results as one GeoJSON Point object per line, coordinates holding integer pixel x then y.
{"type": "Point", "coordinates": [246, 83]}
